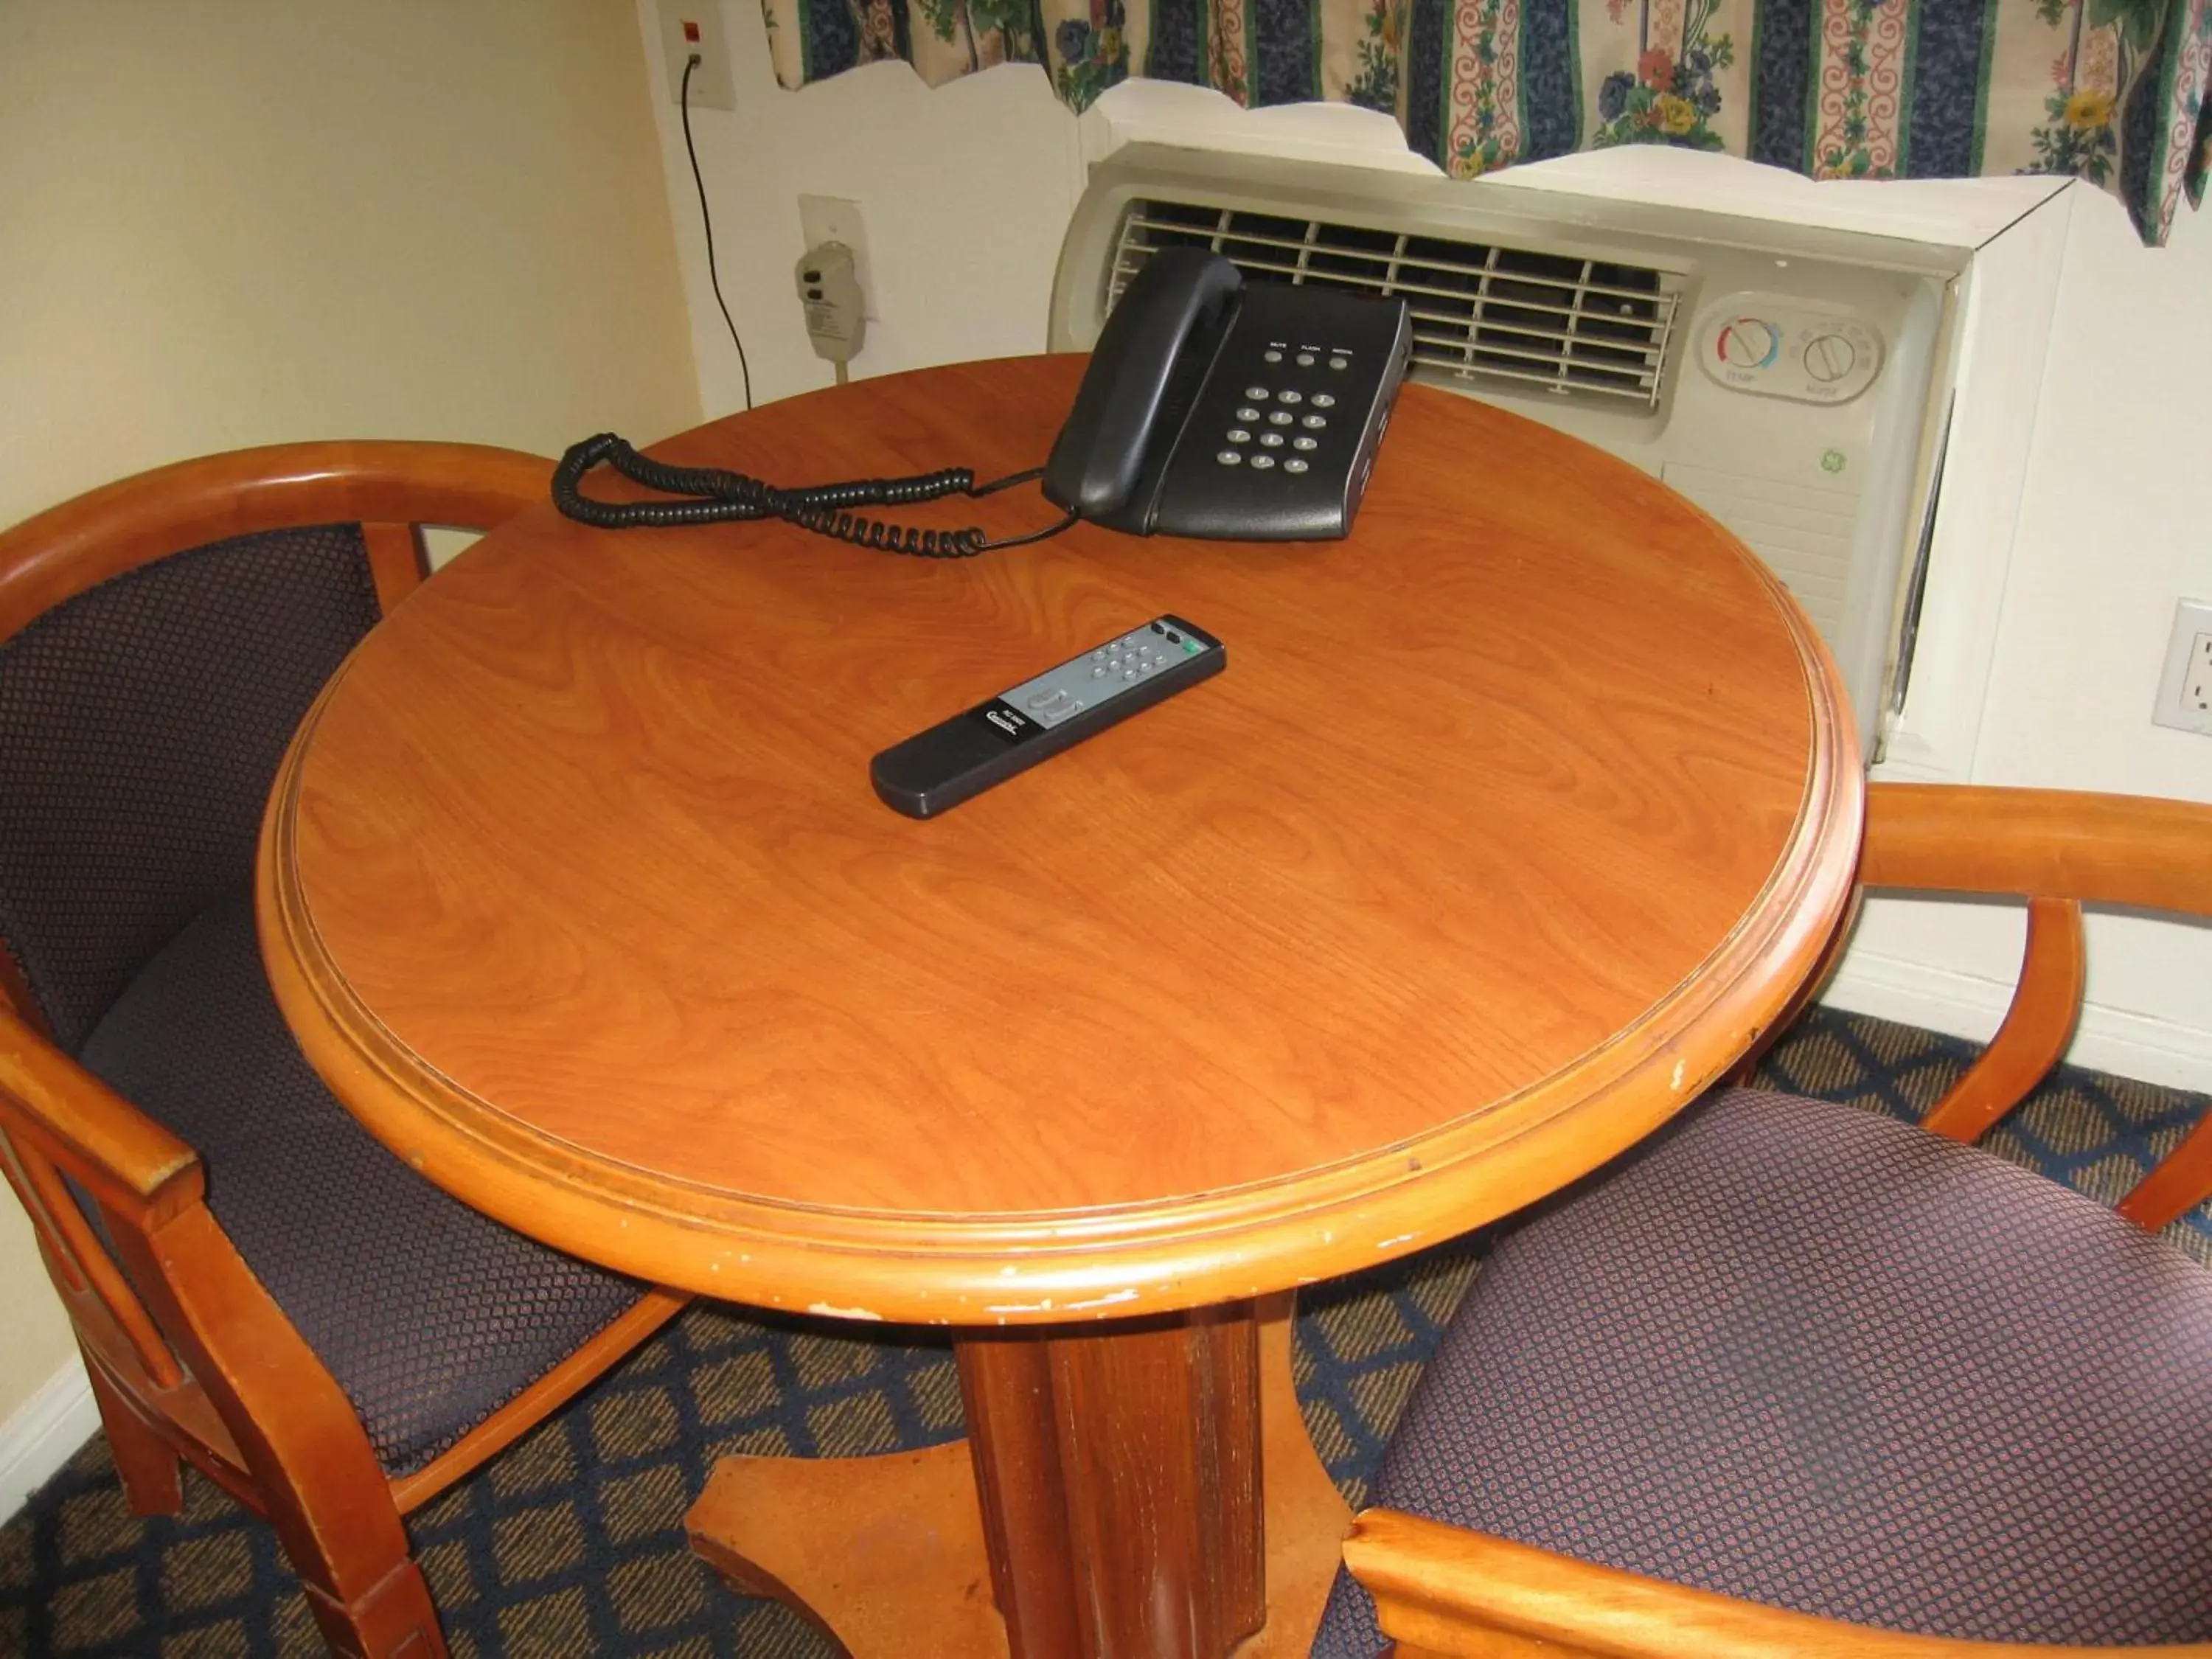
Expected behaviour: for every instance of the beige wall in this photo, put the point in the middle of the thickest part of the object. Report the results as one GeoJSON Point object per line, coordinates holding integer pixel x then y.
{"type": "Point", "coordinates": [240, 221]}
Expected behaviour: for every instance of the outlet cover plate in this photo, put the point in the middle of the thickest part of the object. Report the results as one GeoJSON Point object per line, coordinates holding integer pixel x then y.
{"type": "Point", "coordinates": [712, 87]}
{"type": "Point", "coordinates": [2185, 690]}
{"type": "Point", "coordinates": [834, 219]}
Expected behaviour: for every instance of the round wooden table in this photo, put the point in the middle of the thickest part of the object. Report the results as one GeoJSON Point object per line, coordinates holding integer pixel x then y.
{"type": "Point", "coordinates": [1514, 820]}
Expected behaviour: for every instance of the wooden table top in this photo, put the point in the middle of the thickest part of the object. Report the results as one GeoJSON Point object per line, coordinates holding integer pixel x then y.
{"type": "Point", "coordinates": [1514, 818]}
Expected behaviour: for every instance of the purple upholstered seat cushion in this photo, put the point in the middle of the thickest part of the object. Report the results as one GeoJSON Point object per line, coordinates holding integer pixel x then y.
{"type": "Point", "coordinates": [1808, 1356]}
{"type": "Point", "coordinates": [429, 1315]}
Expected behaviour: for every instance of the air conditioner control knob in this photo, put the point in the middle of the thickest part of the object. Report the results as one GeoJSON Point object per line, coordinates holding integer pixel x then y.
{"type": "Point", "coordinates": [1829, 358]}
{"type": "Point", "coordinates": [1747, 343]}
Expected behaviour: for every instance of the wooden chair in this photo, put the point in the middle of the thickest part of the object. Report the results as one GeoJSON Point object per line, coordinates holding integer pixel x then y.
{"type": "Point", "coordinates": [256, 1284]}
{"type": "Point", "coordinates": [1792, 1378]}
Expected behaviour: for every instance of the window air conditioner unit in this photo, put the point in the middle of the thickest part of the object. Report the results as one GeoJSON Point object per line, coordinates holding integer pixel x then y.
{"type": "Point", "coordinates": [1792, 380]}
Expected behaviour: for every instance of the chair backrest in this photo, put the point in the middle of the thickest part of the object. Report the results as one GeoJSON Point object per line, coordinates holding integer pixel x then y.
{"type": "Point", "coordinates": [140, 724]}
{"type": "Point", "coordinates": [160, 641]}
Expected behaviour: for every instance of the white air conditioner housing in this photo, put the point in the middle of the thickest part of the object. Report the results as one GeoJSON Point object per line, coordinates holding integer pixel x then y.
{"type": "Point", "coordinates": [1790, 379]}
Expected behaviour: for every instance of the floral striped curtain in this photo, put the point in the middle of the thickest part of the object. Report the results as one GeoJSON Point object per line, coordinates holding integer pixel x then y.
{"type": "Point", "coordinates": [2110, 91]}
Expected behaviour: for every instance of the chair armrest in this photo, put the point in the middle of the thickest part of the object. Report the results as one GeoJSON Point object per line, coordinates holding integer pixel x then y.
{"type": "Point", "coordinates": [2046, 843]}
{"type": "Point", "coordinates": [2060, 850]}
{"type": "Point", "coordinates": [1453, 1593]}
{"type": "Point", "coordinates": [130, 1162]}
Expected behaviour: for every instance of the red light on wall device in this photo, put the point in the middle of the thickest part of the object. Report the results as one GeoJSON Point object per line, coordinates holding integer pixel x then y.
{"type": "Point", "coordinates": [690, 33]}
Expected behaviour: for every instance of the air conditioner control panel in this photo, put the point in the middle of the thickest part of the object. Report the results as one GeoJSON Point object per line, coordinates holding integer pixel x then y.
{"type": "Point", "coordinates": [1785, 348]}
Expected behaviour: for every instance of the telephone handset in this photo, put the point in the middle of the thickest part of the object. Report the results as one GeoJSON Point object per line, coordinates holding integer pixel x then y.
{"type": "Point", "coordinates": [1217, 409]}
{"type": "Point", "coordinates": [1211, 408]}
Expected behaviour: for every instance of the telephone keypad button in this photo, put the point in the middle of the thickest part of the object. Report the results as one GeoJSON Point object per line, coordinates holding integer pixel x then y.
{"type": "Point", "coordinates": [1338, 362]}
{"type": "Point", "coordinates": [1304, 442]}
{"type": "Point", "coordinates": [1247, 414]}
{"type": "Point", "coordinates": [1258, 394]}
{"type": "Point", "coordinates": [1263, 462]}
{"type": "Point", "coordinates": [1282, 417]}
{"type": "Point", "coordinates": [1273, 356]}
{"type": "Point", "coordinates": [1294, 464]}
{"type": "Point", "coordinates": [1272, 440]}
{"type": "Point", "coordinates": [1237, 434]}
{"type": "Point", "coordinates": [1305, 360]}
{"type": "Point", "coordinates": [1229, 458]}
{"type": "Point", "coordinates": [1323, 401]}
{"type": "Point", "coordinates": [1316, 421]}
{"type": "Point", "coordinates": [1291, 398]}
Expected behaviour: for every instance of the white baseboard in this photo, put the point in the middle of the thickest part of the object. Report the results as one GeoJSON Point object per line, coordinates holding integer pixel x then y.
{"type": "Point", "coordinates": [1965, 1005]}
{"type": "Point", "coordinates": [44, 1433]}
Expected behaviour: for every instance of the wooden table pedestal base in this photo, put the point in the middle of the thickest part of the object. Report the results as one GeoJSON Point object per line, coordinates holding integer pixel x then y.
{"type": "Point", "coordinates": [891, 1555]}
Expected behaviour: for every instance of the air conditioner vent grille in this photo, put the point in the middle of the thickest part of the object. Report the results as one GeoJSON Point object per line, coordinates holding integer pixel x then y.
{"type": "Point", "coordinates": [1574, 326]}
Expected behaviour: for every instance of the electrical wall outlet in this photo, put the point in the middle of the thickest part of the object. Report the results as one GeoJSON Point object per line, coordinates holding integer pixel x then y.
{"type": "Point", "coordinates": [2184, 692]}
{"type": "Point", "coordinates": [696, 26]}
{"type": "Point", "coordinates": [833, 219]}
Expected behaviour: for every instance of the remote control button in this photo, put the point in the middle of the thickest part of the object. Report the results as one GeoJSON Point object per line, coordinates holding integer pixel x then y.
{"type": "Point", "coordinates": [1229, 458]}
{"type": "Point", "coordinates": [1156, 629]}
{"type": "Point", "coordinates": [1247, 414]}
{"type": "Point", "coordinates": [1305, 360]}
{"type": "Point", "coordinates": [1323, 401]}
{"type": "Point", "coordinates": [1098, 673]}
{"type": "Point", "coordinates": [1149, 666]}
{"type": "Point", "coordinates": [1304, 442]}
{"type": "Point", "coordinates": [1282, 417]}
{"type": "Point", "coordinates": [1272, 440]}
{"type": "Point", "coordinates": [1258, 394]}
{"type": "Point", "coordinates": [1263, 462]}
{"type": "Point", "coordinates": [1128, 674]}
{"type": "Point", "coordinates": [1273, 356]}
{"type": "Point", "coordinates": [1237, 434]}
{"type": "Point", "coordinates": [1316, 421]}
{"type": "Point", "coordinates": [1294, 464]}
{"type": "Point", "coordinates": [1291, 398]}
{"type": "Point", "coordinates": [1339, 362]}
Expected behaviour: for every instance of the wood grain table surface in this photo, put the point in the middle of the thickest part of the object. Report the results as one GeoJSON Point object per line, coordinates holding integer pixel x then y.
{"type": "Point", "coordinates": [1515, 818]}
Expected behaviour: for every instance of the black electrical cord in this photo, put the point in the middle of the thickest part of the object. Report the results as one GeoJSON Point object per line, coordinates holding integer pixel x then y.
{"type": "Point", "coordinates": [707, 220]}
{"type": "Point", "coordinates": [721, 497]}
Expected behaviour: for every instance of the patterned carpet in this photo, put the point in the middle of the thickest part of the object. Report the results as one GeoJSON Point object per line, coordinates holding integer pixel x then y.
{"type": "Point", "coordinates": [573, 1542]}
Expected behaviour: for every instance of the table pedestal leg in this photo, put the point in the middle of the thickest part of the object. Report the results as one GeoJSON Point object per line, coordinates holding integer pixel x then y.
{"type": "Point", "coordinates": [1124, 1506]}
{"type": "Point", "coordinates": [1120, 1477]}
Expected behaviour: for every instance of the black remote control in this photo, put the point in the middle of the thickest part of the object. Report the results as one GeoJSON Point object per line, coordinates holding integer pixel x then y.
{"type": "Point", "coordinates": [935, 770]}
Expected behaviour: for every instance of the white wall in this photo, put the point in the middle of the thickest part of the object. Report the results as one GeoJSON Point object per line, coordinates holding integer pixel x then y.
{"type": "Point", "coordinates": [2114, 524]}
{"type": "Point", "coordinates": [226, 222]}
{"type": "Point", "coordinates": [964, 193]}
{"type": "Point", "coordinates": [2055, 634]}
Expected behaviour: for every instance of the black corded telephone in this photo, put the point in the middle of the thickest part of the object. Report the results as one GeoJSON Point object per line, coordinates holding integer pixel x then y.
{"type": "Point", "coordinates": [1216, 409]}
{"type": "Point", "coordinates": [1211, 408]}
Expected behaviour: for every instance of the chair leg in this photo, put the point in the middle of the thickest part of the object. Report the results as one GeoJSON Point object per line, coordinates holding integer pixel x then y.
{"type": "Point", "coordinates": [394, 1618]}
{"type": "Point", "coordinates": [152, 1476]}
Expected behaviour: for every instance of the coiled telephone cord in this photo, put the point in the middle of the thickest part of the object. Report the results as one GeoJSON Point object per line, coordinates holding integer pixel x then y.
{"type": "Point", "coordinates": [721, 497]}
